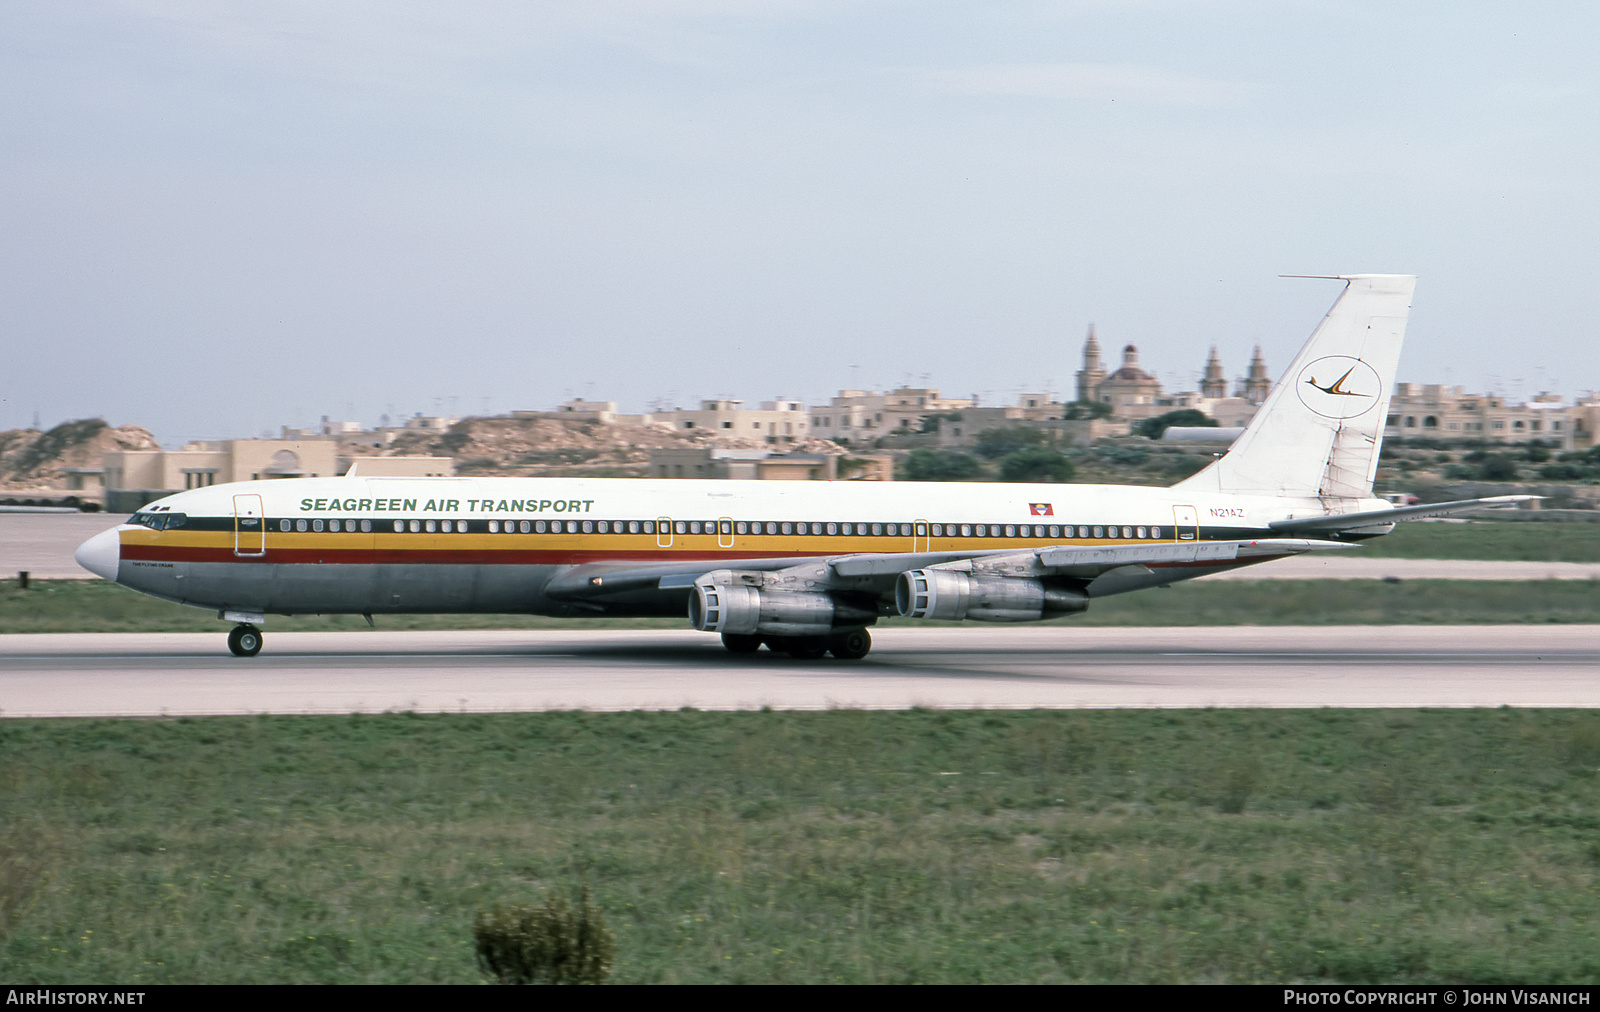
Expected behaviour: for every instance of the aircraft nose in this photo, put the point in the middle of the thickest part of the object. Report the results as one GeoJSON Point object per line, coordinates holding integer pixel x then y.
{"type": "Point", "coordinates": [101, 554]}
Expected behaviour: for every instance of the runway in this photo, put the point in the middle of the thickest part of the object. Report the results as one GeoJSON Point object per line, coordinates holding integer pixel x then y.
{"type": "Point", "coordinates": [150, 674]}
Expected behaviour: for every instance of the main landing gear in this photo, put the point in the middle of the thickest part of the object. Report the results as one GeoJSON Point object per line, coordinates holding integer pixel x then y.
{"type": "Point", "coordinates": [244, 641]}
{"type": "Point", "coordinates": [850, 645]}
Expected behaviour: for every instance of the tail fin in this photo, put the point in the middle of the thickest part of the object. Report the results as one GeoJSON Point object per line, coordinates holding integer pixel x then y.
{"type": "Point", "coordinates": [1319, 431]}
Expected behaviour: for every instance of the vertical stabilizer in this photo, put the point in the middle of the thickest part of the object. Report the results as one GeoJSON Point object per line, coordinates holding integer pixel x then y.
{"type": "Point", "coordinates": [1319, 430]}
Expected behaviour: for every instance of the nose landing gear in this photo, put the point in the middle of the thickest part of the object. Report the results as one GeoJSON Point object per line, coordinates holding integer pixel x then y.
{"type": "Point", "coordinates": [244, 641]}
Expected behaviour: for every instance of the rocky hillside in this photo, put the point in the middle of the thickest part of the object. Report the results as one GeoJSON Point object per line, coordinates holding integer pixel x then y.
{"type": "Point", "coordinates": [555, 446]}
{"type": "Point", "coordinates": [30, 459]}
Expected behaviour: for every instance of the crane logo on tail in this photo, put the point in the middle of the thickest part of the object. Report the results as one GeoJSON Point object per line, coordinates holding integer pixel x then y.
{"type": "Point", "coordinates": [1339, 386]}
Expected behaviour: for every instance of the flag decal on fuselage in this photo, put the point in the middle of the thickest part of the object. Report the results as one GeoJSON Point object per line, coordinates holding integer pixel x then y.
{"type": "Point", "coordinates": [1041, 509]}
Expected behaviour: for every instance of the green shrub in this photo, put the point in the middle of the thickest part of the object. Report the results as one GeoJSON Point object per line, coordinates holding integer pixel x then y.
{"type": "Point", "coordinates": [997, 443]}
{"type": "Point", "coordinates": [1497, 467]}
{"type": "Point", "coordinates": [550, 944]}
{"type": "Point", "coordinates": [1036, 464]}
{"type": "Point", "coordinates": [939, 465]}
{"type": "Point", "coordinates": [1152, 428]}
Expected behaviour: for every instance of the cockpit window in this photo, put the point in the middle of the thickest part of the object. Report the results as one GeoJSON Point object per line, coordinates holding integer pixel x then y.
{"type": "Point", "coordinates": [159, 521]}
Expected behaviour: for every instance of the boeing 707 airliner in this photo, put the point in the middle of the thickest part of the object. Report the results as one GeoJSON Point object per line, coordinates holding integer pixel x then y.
{"type": "Point", "coordinates": [803, 568]}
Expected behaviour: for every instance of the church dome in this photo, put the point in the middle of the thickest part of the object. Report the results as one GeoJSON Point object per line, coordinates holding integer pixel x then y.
{"type": "Point", "coordinates": [1130, 370]}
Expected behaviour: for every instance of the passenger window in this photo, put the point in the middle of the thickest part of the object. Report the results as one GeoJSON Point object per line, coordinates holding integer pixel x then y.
{"type": "Point", "coordinates": [494, 527]}
{"type": "Point", "coordinates": [399, 526]}
{"type": "Point", "coordinates": [649, 526]}
{"type": "Point", "coordinates": [786, 527]}
{"type": "Point", "coordinates": [694, 527]}
{"type": "Point", "coordinates": [366, 527]}
{"type": "Point", "coordinates": [633, 527]}
{"type": "Point", "coordinates": [772, 527]}
{"type": "Point", "coordinates": [1141, 532]}
{"type": "Point", "coordinates": [833, 528]}
{"type": "Point", "coordinates": [1155, 532]}
{"type": "Point", "coordinates": [283, 525]}
{"type": "Point", "coordinates": [415, 526]}
{"type": "Point", "coordinates": [300, 525]}
{"type": "Point", "coordinates": [1055, 530]}
{"type": "Point", "coordinates": [741, 527]}
{"type": "Point", "coordinates": [524, 527]}
{"type": "Point", "coordinates": [680, 527]}
{"type": "Point", "coordinates": [726, 527]}
{"type": "Point", "coordinates": [1083, 532]}
{"type": "Point", "coordinates": [316, 525]}
{"type": "Point", "coordinates": [588, 527]}
{"type": "Point", "coordinates": [966, 530]}
{"type": "Point", "coordinates": [937, 530]}
{"type": "Point", "coordinates": [1011, 530]}
{"type": "Point", "coordinates": [847, 529]}
{"type": "Point", "coordinates": [429, 526]}
{"type": "Point", "coordinates": [539, 526]}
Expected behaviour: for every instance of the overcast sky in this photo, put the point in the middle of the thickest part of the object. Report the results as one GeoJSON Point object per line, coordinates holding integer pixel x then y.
{"type": "Point", "coordinates": [218, 218]}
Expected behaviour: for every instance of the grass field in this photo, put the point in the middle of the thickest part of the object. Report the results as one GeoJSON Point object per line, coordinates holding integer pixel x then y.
{"type": "Point", "coordinates": [1489, 540]}
{"type": "Point", "coordinates": [1129, 846]}
{"type": "Point", "coordinates": [97, 606]}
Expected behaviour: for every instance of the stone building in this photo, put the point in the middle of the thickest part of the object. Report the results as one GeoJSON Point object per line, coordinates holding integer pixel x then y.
{"type": "Point", "coordinates": [1131, 392]}
{"type": "Point", "coordinates": [780, 421]}
{"type": "Point", "coordinates": [1135, 394]}
{"type": "Point", "coordinates": [863, 415]}
{"type": "Point", "coordinates": [1438, 411]}
{"type": "Point", "coordinates": [765, 465]}
{"type": "Point", "coordinates": [135, 477]}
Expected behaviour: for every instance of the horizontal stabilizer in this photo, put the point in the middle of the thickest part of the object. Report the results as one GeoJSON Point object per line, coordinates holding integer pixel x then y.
{"type": "Point", "coordinates": [1375, 518]}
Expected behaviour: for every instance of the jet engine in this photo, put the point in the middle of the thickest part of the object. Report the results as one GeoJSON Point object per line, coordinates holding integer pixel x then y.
{"type": "Point", "coordinates": [951, 594]}
{"type": "Point", "coordinates": [737, 604]}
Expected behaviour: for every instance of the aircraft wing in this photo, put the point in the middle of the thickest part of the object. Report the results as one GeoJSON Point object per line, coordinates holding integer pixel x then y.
{"type": "Point", "coordinates": [599, 583]}
{"type": "Point", "coordinates": [1079, 560]}
{"type": "Point", "coordinates": [1377, 518]}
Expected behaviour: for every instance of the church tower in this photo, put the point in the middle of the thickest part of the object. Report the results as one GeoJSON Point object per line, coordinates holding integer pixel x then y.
{"type": "Point", "coordinates": [1257, 384]}
{"type": "Point", "coordinates": [1092, 373]}
{"type": "Point", "coordinates": [1215, 384]}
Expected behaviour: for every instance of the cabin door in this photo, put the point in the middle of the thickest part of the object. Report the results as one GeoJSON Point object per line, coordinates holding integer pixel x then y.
{"type": "Point", "coordinates": [919, 542]}
{"type": "Point", "coordinates": [1186, 523]}
{"type": "Point", "coordinates": [249, 526]}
